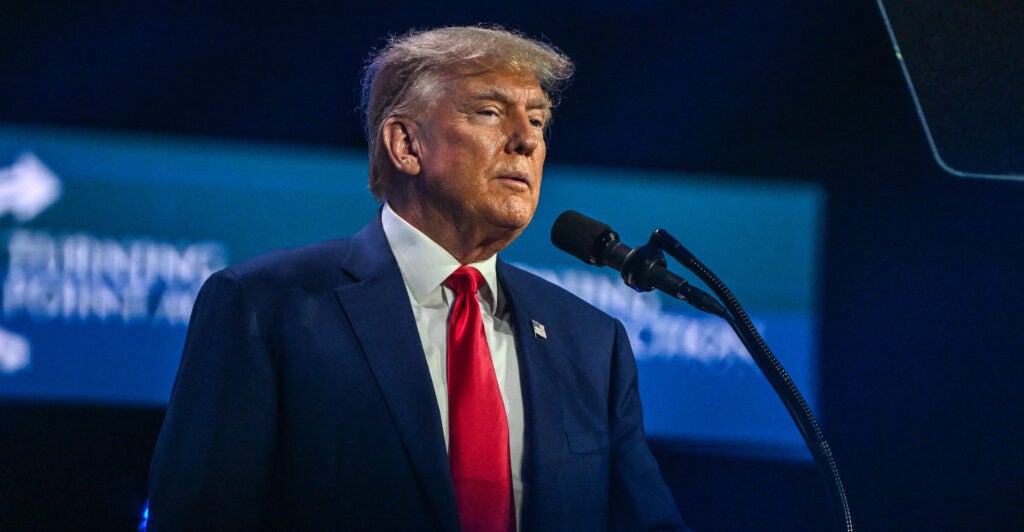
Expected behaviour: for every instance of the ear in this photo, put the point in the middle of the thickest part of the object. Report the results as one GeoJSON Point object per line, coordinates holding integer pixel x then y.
{"type": "Point", "coordinates": [400, 142]}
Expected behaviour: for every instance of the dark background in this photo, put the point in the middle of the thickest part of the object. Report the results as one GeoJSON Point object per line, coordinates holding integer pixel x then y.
{"type": "Point", "coordinates": [922, 379]}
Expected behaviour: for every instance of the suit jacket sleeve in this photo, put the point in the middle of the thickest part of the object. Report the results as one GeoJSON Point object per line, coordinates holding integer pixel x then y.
{"type": "Point", "coordinates": [213, 459]}
{"type": "Point", "coordinates": [639, 498]}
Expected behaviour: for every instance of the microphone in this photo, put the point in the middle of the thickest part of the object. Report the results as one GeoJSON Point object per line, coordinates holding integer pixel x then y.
{"type": "Point", "coordinates": [596, 243]}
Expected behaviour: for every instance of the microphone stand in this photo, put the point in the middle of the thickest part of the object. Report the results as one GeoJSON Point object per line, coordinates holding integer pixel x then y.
{"type": "Point", "coordinates": [634, 270]}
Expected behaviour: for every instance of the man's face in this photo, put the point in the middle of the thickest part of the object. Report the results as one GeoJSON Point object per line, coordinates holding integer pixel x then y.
{"type": "Point", "coordinates": [482, 152]}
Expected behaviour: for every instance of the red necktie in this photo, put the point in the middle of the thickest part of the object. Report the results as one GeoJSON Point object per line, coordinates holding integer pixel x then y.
{"type": "Point", "coordinates": [478, 428]}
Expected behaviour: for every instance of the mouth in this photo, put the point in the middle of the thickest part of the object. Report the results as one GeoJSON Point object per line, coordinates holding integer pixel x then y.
{"type": "Point", "coordinates": [515, 179]}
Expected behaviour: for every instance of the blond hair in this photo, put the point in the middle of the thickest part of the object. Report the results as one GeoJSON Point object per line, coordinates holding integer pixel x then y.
{"type": "Point", "coordinates": [402, 79]}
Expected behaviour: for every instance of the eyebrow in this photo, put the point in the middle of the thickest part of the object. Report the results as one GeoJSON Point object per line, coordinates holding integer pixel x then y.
{"type": "Point", "coordinates": [505, 97]}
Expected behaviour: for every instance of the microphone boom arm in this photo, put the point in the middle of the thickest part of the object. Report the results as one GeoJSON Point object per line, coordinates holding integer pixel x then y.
{"type": "Point", "coordinates": [770, 367]}
{"type": "Point", "coordinates": [643, 269]}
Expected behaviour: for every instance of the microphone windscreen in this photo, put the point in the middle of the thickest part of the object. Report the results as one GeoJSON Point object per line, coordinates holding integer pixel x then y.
{"type": "Point", "coordinates": [578, 235]}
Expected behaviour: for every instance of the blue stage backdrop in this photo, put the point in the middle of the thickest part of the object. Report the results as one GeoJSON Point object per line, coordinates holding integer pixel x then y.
{"type": "Point", "coordinates": [107, 238]}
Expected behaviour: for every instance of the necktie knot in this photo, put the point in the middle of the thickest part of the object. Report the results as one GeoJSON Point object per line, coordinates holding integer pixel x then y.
{"type": "Point", "coordinates": [465, 280]}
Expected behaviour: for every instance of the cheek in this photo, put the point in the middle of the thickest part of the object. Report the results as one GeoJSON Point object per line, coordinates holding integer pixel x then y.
{"type": "Point", "coordinates": [538, 157]}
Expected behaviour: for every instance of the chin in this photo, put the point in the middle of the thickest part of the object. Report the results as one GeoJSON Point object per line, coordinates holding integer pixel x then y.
{"type": "Point", "coordinates": [515, 221]}
{"type": "Point", "coordinates": [510, 225]}
{"type": "Point", "coordinates": [511, 214]}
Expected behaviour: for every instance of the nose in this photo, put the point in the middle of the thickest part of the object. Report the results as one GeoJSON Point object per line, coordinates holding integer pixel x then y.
{"type": "Point", "coordinates": [524, 137]}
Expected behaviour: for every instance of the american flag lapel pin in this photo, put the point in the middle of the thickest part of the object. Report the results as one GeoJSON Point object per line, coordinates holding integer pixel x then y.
{"type": "Point", "coordinates": [538, 329]}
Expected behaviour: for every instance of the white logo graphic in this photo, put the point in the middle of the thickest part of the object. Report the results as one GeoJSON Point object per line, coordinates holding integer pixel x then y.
{"type": "Point", "coordinates": [27, 188]}
{"type": "Point", "coordinates": [79, 277]}
{"type": "Point", "coordinates": [14, 352]}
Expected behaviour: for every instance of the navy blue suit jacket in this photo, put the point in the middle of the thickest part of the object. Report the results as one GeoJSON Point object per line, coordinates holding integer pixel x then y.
{"type": "Point", "coordinates": [303, 401]}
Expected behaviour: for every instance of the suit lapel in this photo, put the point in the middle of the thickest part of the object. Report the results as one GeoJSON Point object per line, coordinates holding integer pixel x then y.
{"type": "Point", "coordinates": [544, 432]}
{"type": "Point", "coordinates": [377, 306]}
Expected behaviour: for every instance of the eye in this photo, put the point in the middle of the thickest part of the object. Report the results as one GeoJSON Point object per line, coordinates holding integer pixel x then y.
{"type": "Point", "coordinates": [488, 116]}
{"type": "Point", "coordinates": [538, 120]}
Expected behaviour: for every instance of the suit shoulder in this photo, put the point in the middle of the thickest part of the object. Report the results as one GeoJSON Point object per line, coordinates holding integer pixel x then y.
{"type": "Point", "coordinates": [321, 260]}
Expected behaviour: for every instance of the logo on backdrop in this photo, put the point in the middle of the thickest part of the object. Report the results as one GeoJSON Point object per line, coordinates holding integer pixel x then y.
{"type": "Point", "coordinates": [27, 188]}
{"type": "Point", "coordinates": [653, 330]}
{"type": "Point", "coordinates": [78, 277]}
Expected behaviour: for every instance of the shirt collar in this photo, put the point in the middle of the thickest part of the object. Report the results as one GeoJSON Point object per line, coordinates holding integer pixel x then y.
{"type": "Point", "coordinates": [425, 264]}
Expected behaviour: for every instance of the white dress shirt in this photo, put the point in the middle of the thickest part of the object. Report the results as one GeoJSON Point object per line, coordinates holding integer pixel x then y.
{"type": "Point", "coordinates": [425, 265]}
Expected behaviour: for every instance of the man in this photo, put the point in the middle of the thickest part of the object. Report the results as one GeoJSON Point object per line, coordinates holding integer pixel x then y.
{"type": "Point", "coordinates": [320, 388]}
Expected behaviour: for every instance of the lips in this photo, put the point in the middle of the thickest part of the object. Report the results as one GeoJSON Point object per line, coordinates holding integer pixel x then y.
{"type": "Point", "coordinates": [519, 177]}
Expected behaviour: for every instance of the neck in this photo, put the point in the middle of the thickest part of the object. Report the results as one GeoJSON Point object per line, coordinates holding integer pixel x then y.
{"type": "Point", "coordinates": [466, 243]}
